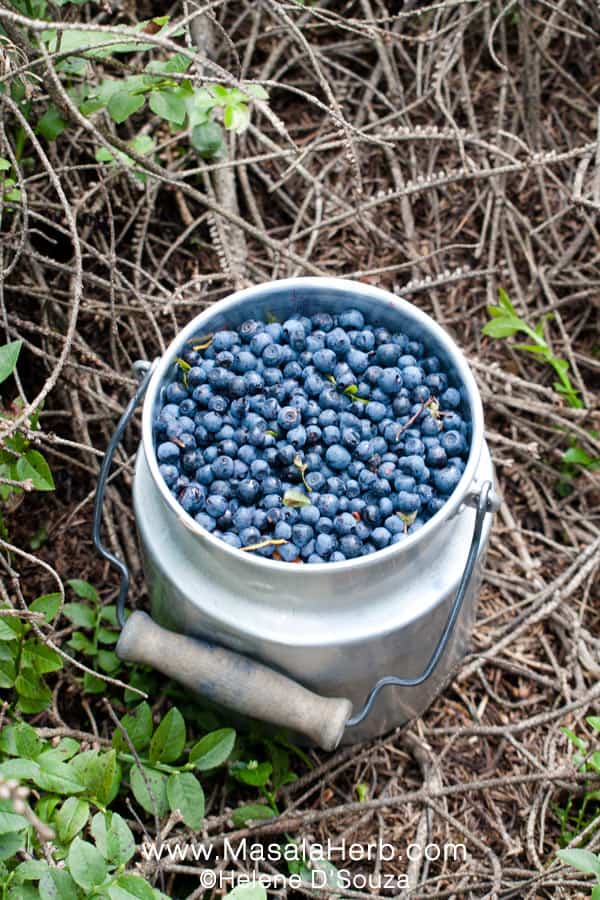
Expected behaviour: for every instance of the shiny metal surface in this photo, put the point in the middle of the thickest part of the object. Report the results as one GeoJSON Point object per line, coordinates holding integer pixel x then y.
{"type": "Point", "coordinates": [336, 627]}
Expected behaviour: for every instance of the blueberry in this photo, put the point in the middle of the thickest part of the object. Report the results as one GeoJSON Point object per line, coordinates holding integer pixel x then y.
{"type": "Point", "coordinates": [381, 537]}
{"type": "Point", "coordinates": [325, 360]}
{"type": "Point", "coordinates": [375, 411]}
{"type": "Point", "coordinates": [249, 490]}
{"type": "Point", "coordinates": [168, 452]}
{"type": "Point", "coordinates": [223, 467]}
{"type": "Point", "coordinates": [394, 525]}
{"type": "Point", "coordinates": [295, 334]}
{"type": "Point", "coordinates": [249, 536]}
{"type": "Point", "coordinates": [337, 556]}
{"type": "Point", "coordinates": [328, 505]}
{"type": "Point", "coordinates": [243, 517]}
{"type": "Point", "coordinates": [176, 392]}
{"type": "Point", "coordinates": [450, 399]}
{"type": "Point", "coordinates": [452, 442]}
{"type": "Point", "coordinates": [436, 457]}
{"type": "Point", "coordinates": [297, 436]}
{"type": "Point", "coordinates": [322, 321]}
{"type": "Point", "coordinates": [351, 546]}
{"type": "Point", "coordinates": [191, 460]}
{"type": "Point", "coordinates": [344, 523]}
{"type": "Point", "coordinates": [337, 457]}
{"type": "Point", "coordinates": [232, 539]}
{"type": "Point", "coordinates": [387, 354]}
{"type": "Point", "coordinates": [309, 515]}
{"type": "Point", "coordinates": [413, 446]}
{"type": "Point", "coordinates": [445, 480]}
{"type": "Point", "coordinates": [302, 534]}
{"type": "Point", "coordinates": [331, 435]}
{"type": "Point", "coordinates": [271, 501]}
{"type": "Point", "coordinates": [357, 361]}
{"type": "Point", "coordinates": [338, 341]}
{"type": "Point", "coordinates": [288, 417]}
{"type": "Point", "coordinates": [224, 340]}
{"type": "Point", "coordinates": [412, 377]}
{"type": "Point", "coordinates": [390, 381]}
{"type": "Point", "coordinates": [283, 531]}
{"type": "Point", "coordinates": [407, 503]}
{"type": "Point", "coordinates": [169, 473]}
{"type": "Point", "coordinates": [205, 521]}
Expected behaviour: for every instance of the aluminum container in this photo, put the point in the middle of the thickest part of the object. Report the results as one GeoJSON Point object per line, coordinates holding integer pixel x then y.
{"type": "Point", "coordinates": [337, 628]}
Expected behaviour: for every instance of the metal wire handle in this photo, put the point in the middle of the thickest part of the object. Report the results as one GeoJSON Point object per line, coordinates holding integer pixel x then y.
{"type": "Point", "coordinates": [486, 503]}
{"type": "Point", "coordinates": [146, 369]}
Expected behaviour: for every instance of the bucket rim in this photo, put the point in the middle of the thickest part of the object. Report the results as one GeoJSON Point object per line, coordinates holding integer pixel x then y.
{"type": "Point", "coordinates": [381, 296]}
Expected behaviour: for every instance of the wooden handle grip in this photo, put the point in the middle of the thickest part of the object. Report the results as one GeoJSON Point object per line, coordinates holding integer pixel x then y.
{"type": "Point", "coordinates": [233, 680]}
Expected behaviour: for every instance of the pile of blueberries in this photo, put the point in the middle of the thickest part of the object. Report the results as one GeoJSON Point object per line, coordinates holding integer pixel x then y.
{"type": "Point", "coordinates": [319, 439]}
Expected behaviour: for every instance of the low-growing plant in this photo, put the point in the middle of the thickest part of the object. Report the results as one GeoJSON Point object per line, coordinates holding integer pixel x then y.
{"type": "Point", "coordinates": [506, 322]}
{"type": "Point", "coordinates": [578, 812]}
{"type": "Point", "coordinates": [584, 861]}
{"type": "Point", "coordinates": [22, 467]}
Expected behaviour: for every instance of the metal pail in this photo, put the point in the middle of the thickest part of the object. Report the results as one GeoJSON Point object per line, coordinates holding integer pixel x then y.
{"type": "Point", "coordinates": [384, 631]}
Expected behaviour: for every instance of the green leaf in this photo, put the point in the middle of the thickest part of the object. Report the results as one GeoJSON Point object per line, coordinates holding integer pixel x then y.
{"type": "Point", "coordinates": [505, 303]}
{"type": "Point", "coordinates": [34, 466]}
{"type": "Point", "coordinates": [236, 118]}
{"type": "Point", "coordinates": [57, 884]}
{"type": "Point", "coordinates": [168, 105]}
{"type": "Point", "coordinates": [10, 822]}
{"type": "Point", "coordinates": [10, 843]}
{"type": "Point", "coordinates": [31, 870]}
{"type": "Point", "coordinates": [57, 777]}
{"type": "Point", "coordinates": [532, 348]}
{"type": "Point", "coordinates": [9, 354]}
{"type": "Point", "coordinates": [207, 139]}
{"type": "Point", "coordinates": [131, 887]}
{"type": "Point", "coordinates": [21, 769]}
{"type": "Point", "coordinates": [78, 641]}
{"type": "Point", "coordinates": [93, 684]}
{"type": "Point", "coordinates": [4, 167]}
{"type": "Point", "coordinates": [52, 124]}
{"type": "Point", "coordinates": [41, 658]}
{"type": "Point", "coordinates": [71, 818]}
{"type": "Point", "coordinates": [99, 773]}
{"type": "Point", "coordinates": [582, 860]}
{"type": "Point", "coordinates": [113, 837]}
{"type": "Point", "coordinates": [122, 105]}
{"type": "Point", "coordinates": [247, 892]}
{"type": "Point", "coordinates": [157, 782]}
{"type": "Point", "coordinates": [86, 864]}
{"type": "Point", "coordinates": [21, 740]}
{"type": "Point", "coordinates": [578, 457]}
{"type": "Point", "coordinates": [138, 726]}
{"type": "Point", "coordinates": [31, 687]}
{"type": "Point", "coordinates": [80, 614]}
{"type": "Point", "coordinates": [295, 498]}
{"type": "Point", "coordinates": [595, 893]}
{"type": "Point", "coordinates": [6, 632]}
{"type": "Point", "coordinates": [500, 328]}
{"type": "Point", "coordinates": [256, 812]}
{"type": "Point", "coordinates": [169, 738]}
{"type": "Point", "coordinates": [184, 792]}
{"type": "Point", "coordinates": [108, 661]}
{"type": "Point", "coordinates": [594, 721]}
{"type": "Point", "coordinates": [256, 775]}
{"type": "Point", "coordinates": [47, 604]}
{"type": "Point", "coordinates": [256, 91]}
{"type": "Point", "coordinates": [213, 750]}
{"type": "Point", "coordinates": [84, 590]}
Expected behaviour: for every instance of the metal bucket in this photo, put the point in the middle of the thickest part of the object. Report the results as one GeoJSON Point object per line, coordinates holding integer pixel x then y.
{"type": "Point", "coordinates": [398, 619]}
